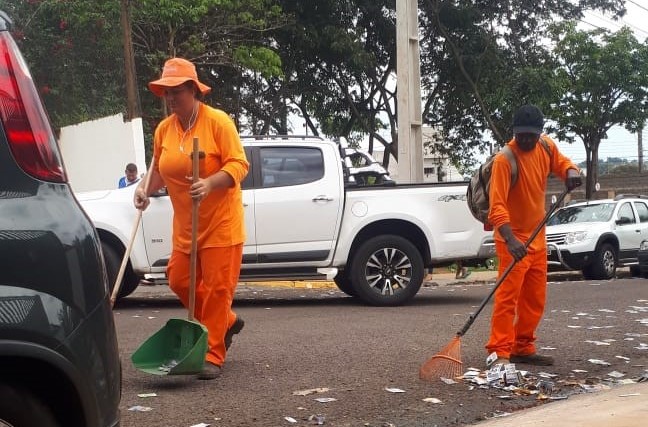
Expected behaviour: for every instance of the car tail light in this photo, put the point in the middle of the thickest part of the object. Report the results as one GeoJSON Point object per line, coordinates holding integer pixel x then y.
{"type": "Point", "coordinates": [26, 125]}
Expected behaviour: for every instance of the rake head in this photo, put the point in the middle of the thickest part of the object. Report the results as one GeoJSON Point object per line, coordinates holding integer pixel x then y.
{"type": "Point", "coordinates": [445, 364]}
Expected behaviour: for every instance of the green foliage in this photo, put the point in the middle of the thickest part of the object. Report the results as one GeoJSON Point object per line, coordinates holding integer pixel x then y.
{"type": "Point", "coordinates": [605, 77]}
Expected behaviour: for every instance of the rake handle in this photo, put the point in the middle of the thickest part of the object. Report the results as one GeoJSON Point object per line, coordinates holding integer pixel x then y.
{"type": "Point", "coordinates": [502, 277]}
{"type": "Point", "coordinates": [193, 258]}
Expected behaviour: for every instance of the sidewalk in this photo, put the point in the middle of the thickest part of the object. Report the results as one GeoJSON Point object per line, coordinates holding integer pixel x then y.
{"type": "Point", "coordinates": [623, 406]}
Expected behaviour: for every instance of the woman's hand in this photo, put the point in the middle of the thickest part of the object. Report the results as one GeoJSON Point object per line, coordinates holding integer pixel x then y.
{"type": "Point", "coordinates": [140, 199]}
{"type": "Point", "coordinates": [200, 189]}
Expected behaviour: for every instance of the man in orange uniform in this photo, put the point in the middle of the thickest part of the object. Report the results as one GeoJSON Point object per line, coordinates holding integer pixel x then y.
{"type": "Point", "coordinates": [221, 233]}
{"type": "Point", "coordinates": [515, 211]}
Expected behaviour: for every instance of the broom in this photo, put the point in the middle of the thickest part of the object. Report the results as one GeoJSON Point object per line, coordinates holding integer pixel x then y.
{"type": "Point", "coordinates": [447, 363]}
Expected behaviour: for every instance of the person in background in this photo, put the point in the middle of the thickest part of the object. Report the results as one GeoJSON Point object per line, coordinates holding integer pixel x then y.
{"type": "Point", "coordinates": [221, 230]}
{"type": "Point", "coordinates": [516, 209]}
{"type": "Point", "coordinates": [131, 176]}
{"type": "Point", "coordinates": [462, 272]}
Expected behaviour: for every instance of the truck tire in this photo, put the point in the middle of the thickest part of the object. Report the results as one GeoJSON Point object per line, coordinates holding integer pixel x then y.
{"type": "Point", "coordinates": [20, 408]}
{"type": "Point", "coordinates": [603, 265]}
{"type": "Point", "coordinates": [386, 270]}
{"type": "Point", "coordinates": [344, 283]}
{"type": "Point", "coordinates": [113, 262]}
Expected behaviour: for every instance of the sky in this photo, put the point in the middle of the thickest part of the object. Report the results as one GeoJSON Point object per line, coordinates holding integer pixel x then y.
{"type": "Point", "coordinates": [620, 143]}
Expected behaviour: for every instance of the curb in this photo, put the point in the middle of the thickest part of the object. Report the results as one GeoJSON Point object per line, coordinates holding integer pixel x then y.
{"type": "Point", "coordinates": [323, 284]}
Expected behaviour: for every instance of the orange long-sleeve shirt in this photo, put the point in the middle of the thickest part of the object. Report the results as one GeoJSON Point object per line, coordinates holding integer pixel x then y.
{"type": "Point", "coordinates": [221, 212]}
{"type": "Point", "coordinates": [522, 205]}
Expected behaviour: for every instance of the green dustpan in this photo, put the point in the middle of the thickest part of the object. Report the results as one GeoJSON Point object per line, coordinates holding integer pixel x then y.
{"type": "Point", "coordinates": [179, 348]}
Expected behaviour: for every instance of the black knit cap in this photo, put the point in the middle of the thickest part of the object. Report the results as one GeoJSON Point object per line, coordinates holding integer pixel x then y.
{"type": "Point", "coordinates": [528, 119]}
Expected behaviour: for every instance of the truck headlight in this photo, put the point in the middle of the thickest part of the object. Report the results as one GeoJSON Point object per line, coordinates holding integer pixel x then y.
{"type": "Point", "coordinates": [643, 246]}
{"type": "Point", "coordinates": [575, 237]}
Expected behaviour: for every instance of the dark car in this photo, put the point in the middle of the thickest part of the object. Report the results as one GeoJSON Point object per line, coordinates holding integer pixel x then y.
{"type": "Point", "coordinates": [59, 362]}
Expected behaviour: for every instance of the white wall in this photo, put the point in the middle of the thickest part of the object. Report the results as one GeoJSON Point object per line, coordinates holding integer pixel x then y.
{"type": "Point", "coordinates": [95, 153]}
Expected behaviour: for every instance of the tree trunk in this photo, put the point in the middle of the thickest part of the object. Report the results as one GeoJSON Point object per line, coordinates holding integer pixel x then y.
{"type": "Point", "coordinates": [133, 108]}
{"type": "Point", "coordinates": [592, 167]}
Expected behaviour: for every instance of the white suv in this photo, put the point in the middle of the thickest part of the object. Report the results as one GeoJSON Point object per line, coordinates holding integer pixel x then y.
{"type": "Point", "coordinates": [598, 235]}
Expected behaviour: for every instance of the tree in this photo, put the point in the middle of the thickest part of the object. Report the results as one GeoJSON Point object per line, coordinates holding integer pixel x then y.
{"type": "Point", "coordinates": [606, 84]}
{"type": "Point", "coordinates": [74, 52]}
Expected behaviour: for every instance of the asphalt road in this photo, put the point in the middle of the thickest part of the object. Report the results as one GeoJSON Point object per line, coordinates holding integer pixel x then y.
{"type": "Point", "coordinates": [299, 339]}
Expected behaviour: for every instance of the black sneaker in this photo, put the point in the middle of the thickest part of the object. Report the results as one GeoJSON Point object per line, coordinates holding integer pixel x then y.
{"type": "Point", "coordinates": [234, 329]}
{"type": "Point", "coordinates": [209, 371]}
{"type": "Point", "coordinates": [533, 359]}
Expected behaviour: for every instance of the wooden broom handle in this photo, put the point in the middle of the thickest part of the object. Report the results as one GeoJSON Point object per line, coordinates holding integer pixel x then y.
{"type": "Point", "coordinates": [131, 241]}
{"type": "Point", "coordinates": [194, 230]}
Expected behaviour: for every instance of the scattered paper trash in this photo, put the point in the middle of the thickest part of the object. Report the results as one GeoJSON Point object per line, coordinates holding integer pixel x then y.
{"type": "Point", "coordinates": [623, 358]}
{"type": "Point", "coordinates": [579, 371]}
{"type": "Point", "coordinates": [310, 391]}
{"type": "Point", "coordinates": [138, 408]}
{"type": "Point", "coordinates": [325, 399]}
{"type": "Point", "coordinates": [598, 362]}
{"type": "Point", "coordinates": [448, 380]}
{"type": "Point", "coordinates": [547, 348]}
{"type": "Point", "coordinates": [432, 400]}
{"type": "Point", "coordinates": [394, 390]}
{"type": "Point", "coordinates": [147, 395]}
{"type": "Point", "coordinates": [317, 419]}
{"type": "Point", "coordinates": [630, 395]}
{"type": "Point", "coordinates": [616, 374]}
{"type": "Point", "coordinates": [201, 425]}
{"type": "Point", "coordinates": [290, 420]}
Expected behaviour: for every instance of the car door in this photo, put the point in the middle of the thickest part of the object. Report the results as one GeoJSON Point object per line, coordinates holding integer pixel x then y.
{"type": "Point", "coordinates": [297, 204]}
{"type": "Point", "coordinates": [642, 212]}
{"type": "Point", "coordinates": [628, 233]}
{"type": "Point", "coordinates": [250, 247]}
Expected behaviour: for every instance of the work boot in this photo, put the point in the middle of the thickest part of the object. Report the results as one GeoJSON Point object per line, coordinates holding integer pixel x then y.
{"type": "Point", "coordinates": [236, 327]}
{"type": "Point", "coordinates": [210, 371]}
{"type": "Point", "coordinates": [533, 359]}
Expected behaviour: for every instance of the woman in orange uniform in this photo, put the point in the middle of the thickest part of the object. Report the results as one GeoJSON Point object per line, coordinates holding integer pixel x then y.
{"type": "Point", "coordinates": [516, 209]}
{"type": "Point", "coordinates": [221, 233]}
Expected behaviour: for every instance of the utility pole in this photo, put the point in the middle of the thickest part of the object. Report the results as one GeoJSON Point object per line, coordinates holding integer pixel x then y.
{"type": "Point", "coordinates": [133, 109]}
{"type": "Point", "coordinates": [640, 148]}
{"type": "Point", "coordinates": [408, 111]}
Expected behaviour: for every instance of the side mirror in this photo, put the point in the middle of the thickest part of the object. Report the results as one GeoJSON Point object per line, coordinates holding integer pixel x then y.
{"type": "Point", "coordinates": [624, 220]}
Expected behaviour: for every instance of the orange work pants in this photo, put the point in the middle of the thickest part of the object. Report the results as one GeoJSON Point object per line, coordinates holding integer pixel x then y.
{"type": "Point", "coordinates": [217, 274]}
{"type": "Point", "coordinates": [519, 303]}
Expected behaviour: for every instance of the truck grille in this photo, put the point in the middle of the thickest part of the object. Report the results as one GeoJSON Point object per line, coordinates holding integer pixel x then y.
{"type": "Point", "coordinates": [556, 239]}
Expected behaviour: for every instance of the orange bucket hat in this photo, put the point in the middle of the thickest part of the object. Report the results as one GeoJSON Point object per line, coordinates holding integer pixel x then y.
{"type": "Point", "coordinates": [177, 71]}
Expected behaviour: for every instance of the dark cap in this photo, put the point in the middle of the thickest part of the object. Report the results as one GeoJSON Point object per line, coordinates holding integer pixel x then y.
{"type": "Point", "coordinates": [528, 119]}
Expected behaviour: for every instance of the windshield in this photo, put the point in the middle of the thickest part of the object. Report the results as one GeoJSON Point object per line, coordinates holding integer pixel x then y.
{"type": "Point", "coordinates": [600, 212]}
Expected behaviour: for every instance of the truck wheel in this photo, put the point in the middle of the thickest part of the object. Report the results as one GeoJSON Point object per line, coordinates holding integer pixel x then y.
{"type": "Point", "coordinates": [387, 271]}
{"type": "Point", "coordinates": [344, 283]}
{"type": "Point", "coordinates": [113, 262]}
{"type": "Point", "coordinates": [20, 408]}
{"type": "Point", "coordinates": [603, 266]}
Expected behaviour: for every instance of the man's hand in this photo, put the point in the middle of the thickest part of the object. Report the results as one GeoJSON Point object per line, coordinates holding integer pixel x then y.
{"type": "Point", "coordinates": [573, 179]}
{"type": "Point", "coordinates": [516, 248]}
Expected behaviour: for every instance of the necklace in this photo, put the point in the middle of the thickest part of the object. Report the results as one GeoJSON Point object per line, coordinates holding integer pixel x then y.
{"type": "Point", "coordinates": [192, 122]}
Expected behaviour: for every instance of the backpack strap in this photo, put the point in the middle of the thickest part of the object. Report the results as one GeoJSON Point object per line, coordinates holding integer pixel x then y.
{"type": "Point", "coordinates": [545, 145]}
{"type": "Point", "coordinates": [510, 156]}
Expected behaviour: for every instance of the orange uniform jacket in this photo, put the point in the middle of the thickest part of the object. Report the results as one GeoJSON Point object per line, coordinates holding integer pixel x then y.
{"type": "Point", "coordinates": [522, 205]}
{"type": "Point", "coordinates": [221, 212]}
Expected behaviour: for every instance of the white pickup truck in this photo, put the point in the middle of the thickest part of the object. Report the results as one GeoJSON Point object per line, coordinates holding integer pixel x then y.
{"type": "Point", "coordinates": [307, 218]}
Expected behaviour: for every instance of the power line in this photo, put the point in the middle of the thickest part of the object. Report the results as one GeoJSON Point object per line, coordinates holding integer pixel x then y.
{"type": "Point", "coordinates": [619, 24]}
{"type": "Point", "coordinates": [638, 5]}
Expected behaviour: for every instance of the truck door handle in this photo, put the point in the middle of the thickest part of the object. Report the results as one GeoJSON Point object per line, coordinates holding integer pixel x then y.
{"type": "Point", "coordinates": [322, 198]}
{"type": "Point", "coordinates": [245, 205]}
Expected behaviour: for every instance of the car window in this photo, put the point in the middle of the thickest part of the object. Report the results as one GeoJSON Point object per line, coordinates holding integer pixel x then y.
{"type": "Point", "coordinates": [248, 180]}
{"type": "Point", "coordinates": [283, 166]}
{"type": "Point", "coordinates": [599, 212]}
{"type": "Point", "coordinates": [642, 210]}
{"type": "Point", "coordinates": [625, 211]}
